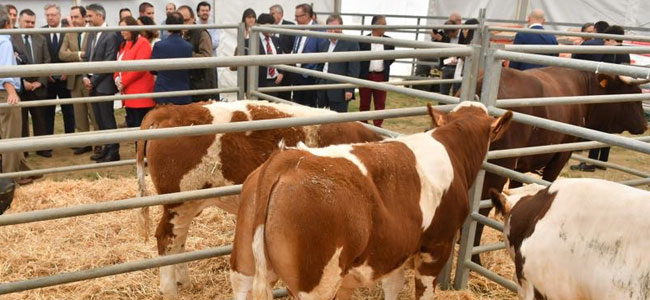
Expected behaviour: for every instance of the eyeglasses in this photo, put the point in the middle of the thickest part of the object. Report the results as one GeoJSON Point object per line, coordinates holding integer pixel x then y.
{"type": "Point", "coordinates": [300, 16]}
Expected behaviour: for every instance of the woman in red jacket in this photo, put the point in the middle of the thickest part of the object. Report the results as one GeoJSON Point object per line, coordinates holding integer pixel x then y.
{"type": "Point", "coordinates": [134, 47]}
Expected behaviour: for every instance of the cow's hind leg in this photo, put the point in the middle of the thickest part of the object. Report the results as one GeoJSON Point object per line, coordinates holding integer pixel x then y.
{"type": "Point", "coordinates": [427, 267]}
{"type": "Point", "coordinates": [171, 236]}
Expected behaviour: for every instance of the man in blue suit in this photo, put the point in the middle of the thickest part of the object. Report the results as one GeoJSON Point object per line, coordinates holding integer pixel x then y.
{"type": "Point", "coordinates": [174, 46]}
{"type": "Point", "coordinates": [337, 100]}
{"type": "Point", "coordinates": [535, 20]}
{"type": "Point", "coordinates": [599, 27]}
{"type": "Point", "coordinates": [304, 44]}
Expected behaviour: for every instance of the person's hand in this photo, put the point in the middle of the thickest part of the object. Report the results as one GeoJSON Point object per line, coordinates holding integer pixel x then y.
{"type": "Point", "coordinates": [13, 98]}
{"type": "Point", "coordinates": [64, 77]}
{"type": "Point", "coordinates": [82, 53]}
{"type": "Point", "coordinates": [436, 36]}
{"type": "Point", "coordinates": [50, 79]}
{"type": "Point", "coordinates": [27, 85]}
{"type": "Point", "coordinates": [36, 85]}
{"type": "Point", "coordinates": [279, 78]}
{"type": "Point", "coordinates": [87, 83]}
{"type": "Point", "coordinates": [348, 96]}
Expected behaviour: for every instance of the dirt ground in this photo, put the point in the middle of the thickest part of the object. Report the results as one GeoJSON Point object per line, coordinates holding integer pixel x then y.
{"type": "Point", "coordinates": [73, 244]}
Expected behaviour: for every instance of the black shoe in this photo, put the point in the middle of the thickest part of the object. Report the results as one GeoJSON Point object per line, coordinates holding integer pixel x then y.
{"type": "Point", "coordinates": [98, 156]}
{"type": "Point", "coordinates": [98, 149]}
{"type": "Point", "coordinates": [82, 150]}
{"type": "Point", "coordinates": [109, 157]}
{"type": "Point", "coordinates": [45, 153]}
{"type": "Point", "coordinates": [583, 167]}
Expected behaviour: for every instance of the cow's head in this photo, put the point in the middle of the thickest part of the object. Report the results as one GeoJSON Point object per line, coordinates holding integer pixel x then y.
{"type": "Point", "coordinates": [504, 202]}
{"type": "Point", "coordinates": [616, 117]}
{"type": "Point", "coordinates": [475, 112]}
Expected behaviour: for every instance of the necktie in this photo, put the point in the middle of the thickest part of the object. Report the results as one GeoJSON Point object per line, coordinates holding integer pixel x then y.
{"type": "Point", "coordinates": [55, 41]}
{"type": "Point", "coordinates": [79, 41]}
{"type": "Point", "coordinates": [269, 51]}
{"type": "Point", "coordinates": [28, 46]}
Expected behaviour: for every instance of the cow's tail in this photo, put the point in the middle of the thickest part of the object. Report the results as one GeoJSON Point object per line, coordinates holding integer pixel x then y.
{"type": "Point", "coordinates": [499, 202]}
{"type": "Point", "coordinates": [143, 217]}
{"type": "Point", "coordinates": [261, 285]}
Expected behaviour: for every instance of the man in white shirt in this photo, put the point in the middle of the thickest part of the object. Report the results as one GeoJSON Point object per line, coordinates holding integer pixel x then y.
{"type": "Point", "coordinates": [337, 100]}
{"type": "Point", "coordinates": [56, 86]}
{"type": "Point", "coordinates": [375, 70]}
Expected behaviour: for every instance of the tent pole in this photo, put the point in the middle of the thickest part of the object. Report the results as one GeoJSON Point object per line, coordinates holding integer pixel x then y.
{"type": "Point", "coordinates": [337, 6]}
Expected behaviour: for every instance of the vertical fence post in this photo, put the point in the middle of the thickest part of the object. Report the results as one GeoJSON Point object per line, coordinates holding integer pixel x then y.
{"type": "Point", "coordinates": [363, 22]}
{"type": "Point", "coordinates": [241, 78]}
{"type": "Point", "coordinates": [414, 60]}
{"type": "Point", "coordinates": [489, 92]}
{"type": "Point", "coordinates": [253, 49]}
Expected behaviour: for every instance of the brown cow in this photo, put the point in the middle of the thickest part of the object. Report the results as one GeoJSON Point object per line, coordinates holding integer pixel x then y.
{"type": "Point", "coordinates": [557, 82]}
{"type": "Point", "coordinates": [579, 238]}
{"type": "Point", "coordinates": [329, 220]}
{"type": "Point", "coordinates": [198, 162]}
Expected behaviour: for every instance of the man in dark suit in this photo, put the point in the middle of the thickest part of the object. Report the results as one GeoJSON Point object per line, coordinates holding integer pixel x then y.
{"type": "Point", "coordinates": [535, 21]}
{"type": "Point", "coordinates": [599, 27]}
{"type": "Point", "coordinates": [269, 45]}
{"type": "Point", "coordinates": [201, 42]}
{"type": "Point", "coordinates": [304, 44]}
{"type": "Point", "coordinates": [286, 43]}
{"type": "Point", "coordinates": [173, 46]}
{"type": "Point", "coordinates": [32, 49]}
{"type": "Point", "coordinates": [57, 85]}
{"type": "Point", "coordinates": [337, 100]}
{"type": "Point", "coordinates": [375, 70]}
{"type": "Point", "coordinates": [102, 46]}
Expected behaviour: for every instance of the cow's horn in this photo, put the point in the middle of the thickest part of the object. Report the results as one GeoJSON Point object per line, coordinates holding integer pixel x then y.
{"type": "Point", "coordinates": [629, 80]}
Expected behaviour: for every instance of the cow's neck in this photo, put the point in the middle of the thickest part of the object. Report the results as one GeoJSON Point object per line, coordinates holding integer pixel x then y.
{"type": "Point", "coordinates": [466, 147]}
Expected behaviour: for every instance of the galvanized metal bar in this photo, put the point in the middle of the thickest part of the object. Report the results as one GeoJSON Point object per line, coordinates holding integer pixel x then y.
{"type": "Point", "coordinates": [48, 102]}
{"type": "Point", "coordinates": [492, 276]}
{"type": "Point", "coordinates": [417, 36]}
{"type": "Point", "coordinates": [356, 38]}
{"type": "Point", "coordinates": [486, 204]}
{"type": "Point", "coordinates": [636, 182]}
{"type": "Point", "coordinates": [420, 62]}
{"type": "Point", "coordinates": [470, 74]}
{"type": "Point", "coordinates": [253, 70]}
{"type": "Point", "coordinates": [66, 169]}
{"type": "Point", "coordinates": [378, 130]}
{"type": "Point", "coordinates": [467, 233]}
{"type": "Point", "coordinates": [100, 138]}
{"type": "Point", "coordinates": [516, 152]}
{"type": "Point", "coordinates": [549, 49]}
{"type": "Point", "coordinates": [334, 86]}
{"type": "Point", "coordinates": [527, 102]}
{"type": "Point", "coordinates": [487, 221]}
{"type": "Point", "coordinates": [203, 62]}
{"type": "Point", "coordinates": [491, 78]}
{"type": "Point", "coordinates": [574, 130]}
{"type": "Point", "coordinates": [370, 27]}
{"type": "Point", "coordinates": [122, 268]}
{"type": "Point", "coordinates": [505, 172]}
{"type": "Point", "coordinates": [372, 84]}
{"type": "Point", "coordinates": [47, 30]}
{"type": "Point", "coordinates": [104, 207]}
{"type": "Point", "coordinates": [241, 74]}
{"type": "Point", "coordinates": [580, 34]}
{"type": "Point", "coordinates": [363, 22]}
{"type": "Point", "coordinates": [488, 248]}
{"type": "Point", "coordinates": [585, 65]}
{"type": "Point", "coordinates": [610, 165]}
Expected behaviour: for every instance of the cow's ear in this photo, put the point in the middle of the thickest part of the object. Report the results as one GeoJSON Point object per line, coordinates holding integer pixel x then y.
{"type": "Point", "coordinates": [500, 125]}
{"type": "Point", "coordinates": [604, 80]}
{"type": "Point", "coordinates": [437, 117]}
{"type": "Point", "coordinates": [499, 202]}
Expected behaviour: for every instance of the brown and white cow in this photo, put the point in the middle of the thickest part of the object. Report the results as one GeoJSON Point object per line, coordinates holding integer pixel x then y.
{"type": "Point", "coordinates": [578, 239]}
{"type": "Point", "coordinates": [329, 220]}
{"type": "Point", "coordinates": [198, 162]}
{"type": "Point", "coordinates": [557, 82]}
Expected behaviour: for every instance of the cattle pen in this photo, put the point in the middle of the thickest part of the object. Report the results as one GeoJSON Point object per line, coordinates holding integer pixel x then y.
{"type": "Point", "coordinates": [480, 55]}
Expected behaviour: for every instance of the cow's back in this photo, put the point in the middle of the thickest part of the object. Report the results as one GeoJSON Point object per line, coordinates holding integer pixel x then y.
{"type": "Point", "coordinates": [583, 239]}
{"type": "Point", "coordinates": [190, 163]}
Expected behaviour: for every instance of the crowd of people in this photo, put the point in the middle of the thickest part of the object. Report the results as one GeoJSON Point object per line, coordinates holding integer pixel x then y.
{"type": "Point", "coordinates": [153, 44]}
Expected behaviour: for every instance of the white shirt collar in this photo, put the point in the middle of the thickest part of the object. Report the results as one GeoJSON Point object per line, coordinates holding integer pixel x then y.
{"type": "Point", "coordinates": [535, 24]}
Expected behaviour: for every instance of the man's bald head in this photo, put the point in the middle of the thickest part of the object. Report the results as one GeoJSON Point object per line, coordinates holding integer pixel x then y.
{"type": "Point", "coordinates": [536, 17]}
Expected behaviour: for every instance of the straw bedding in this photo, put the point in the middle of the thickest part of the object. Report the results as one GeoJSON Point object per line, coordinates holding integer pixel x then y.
{"type": "Point", "coordinates": [80, 243]}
